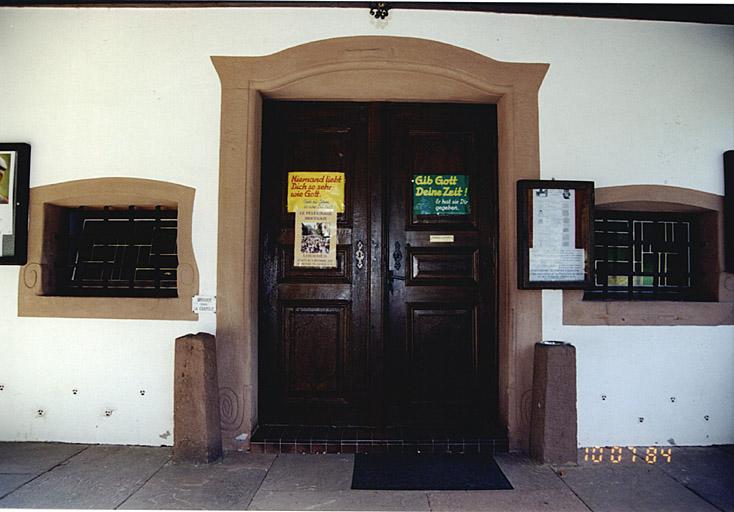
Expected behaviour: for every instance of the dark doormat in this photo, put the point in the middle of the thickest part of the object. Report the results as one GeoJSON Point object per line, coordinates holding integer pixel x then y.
{"type": "Point", "coordinates": [418, 472]}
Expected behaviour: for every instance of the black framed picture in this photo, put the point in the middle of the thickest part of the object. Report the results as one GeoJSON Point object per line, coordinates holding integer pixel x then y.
{"type": "Point", "coordinates": [555, 230]}
{"type": "Point", "coordinates": [15, 164]}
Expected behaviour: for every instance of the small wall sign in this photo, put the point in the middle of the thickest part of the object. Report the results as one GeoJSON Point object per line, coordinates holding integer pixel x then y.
{"type": "Point", "coordinates": [441, 194]}
{"type": "Point", "coordinates": [204, 304]}
{"type": "Point", "coordinates": [441, 239]}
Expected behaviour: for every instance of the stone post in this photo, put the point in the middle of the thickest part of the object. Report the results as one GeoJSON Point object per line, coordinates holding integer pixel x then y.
{"type": "Point", "coordinates": [553, 436]}
{"type": "Point", "coordinates": [196, 433]}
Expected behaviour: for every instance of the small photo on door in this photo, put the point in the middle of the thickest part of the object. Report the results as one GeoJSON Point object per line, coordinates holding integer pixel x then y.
{"type": "Point", "coordinates": [315, 238]}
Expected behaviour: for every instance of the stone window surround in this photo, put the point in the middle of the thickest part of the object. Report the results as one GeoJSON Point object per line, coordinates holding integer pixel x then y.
{"type": "Point", "coordinates": [662, 198]}
{"type": "Point", "coordinates": [35, 289]}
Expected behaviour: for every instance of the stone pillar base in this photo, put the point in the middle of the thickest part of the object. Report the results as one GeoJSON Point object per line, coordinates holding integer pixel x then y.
{"type": "Point", "coordinates": [553, 436]}
{"type": "Point", "coordinates": [197, 436]}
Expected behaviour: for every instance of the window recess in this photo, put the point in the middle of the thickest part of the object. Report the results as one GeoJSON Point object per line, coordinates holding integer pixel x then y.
{"type": "Point", "coordinates": [103, 271]}
{"type": "Point", "coordinates": [117, 252]}
{"type": "Point", "coordinates": [644, 255]}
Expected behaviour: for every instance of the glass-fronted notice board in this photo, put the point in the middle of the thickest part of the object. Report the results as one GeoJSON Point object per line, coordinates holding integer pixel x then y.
{"type": "Point", "coordinates": [555, 233]}
{"type": "Point", "coordinates": [15, 164]}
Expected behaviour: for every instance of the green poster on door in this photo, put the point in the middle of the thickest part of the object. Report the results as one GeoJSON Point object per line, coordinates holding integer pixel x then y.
{"type": "Point", "coordinates": [440, 194]}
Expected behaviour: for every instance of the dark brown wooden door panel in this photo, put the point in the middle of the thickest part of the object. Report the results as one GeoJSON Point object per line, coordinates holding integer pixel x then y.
{"type": "Point", "coordinates": [313, 322]}
{"type": "Point", "coordinates": [441, 364]}
{"type": "Point", "coordinates": [315, 346]}
{"type": "Point", "coordinates": [439, 148]}
{"type": "Point", "coordinates": [456, 266]}
{"type": "Point", "coordinates": [410, 337]}
{"type": "Point", "coordinates": [449, 349]}
{"type": "Point", "coordinates": [334, 143]}
{"type": "Point", "coordinates": [319, 366]}
{"type": "Point", "coordinates": [433, 143]}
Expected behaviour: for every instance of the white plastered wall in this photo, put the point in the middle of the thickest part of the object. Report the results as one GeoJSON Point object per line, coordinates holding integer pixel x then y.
{"type": "Point", "coordinates": [131, 92]}
{"type": "Point", "coordinates": [649, 385]}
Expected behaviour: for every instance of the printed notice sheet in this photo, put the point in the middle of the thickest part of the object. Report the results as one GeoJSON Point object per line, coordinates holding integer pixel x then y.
{"type": "Point", "coordinates": [315, 238]}
{"type": "Point", "coordinates": [554, 256]}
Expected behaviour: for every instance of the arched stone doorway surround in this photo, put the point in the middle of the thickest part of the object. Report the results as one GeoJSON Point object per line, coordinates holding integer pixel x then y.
{"type": "Point", "coordinates": [366, 69]}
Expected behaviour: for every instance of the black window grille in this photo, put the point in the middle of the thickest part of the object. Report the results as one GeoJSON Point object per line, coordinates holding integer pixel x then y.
{"type": "Point", "coordinates": [643, 256]}
{"type": "Point", "coordinates": [118, 253]}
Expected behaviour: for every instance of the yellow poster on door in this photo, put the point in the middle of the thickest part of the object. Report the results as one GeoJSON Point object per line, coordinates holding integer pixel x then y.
{"type": "Point", "coordinates": [313, 190]}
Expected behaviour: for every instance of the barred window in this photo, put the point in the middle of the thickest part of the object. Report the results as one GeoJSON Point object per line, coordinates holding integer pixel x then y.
{"type": "Point", "coordinates": [643, 256]}
{"type": "Point", "coordinates": [112, 252]}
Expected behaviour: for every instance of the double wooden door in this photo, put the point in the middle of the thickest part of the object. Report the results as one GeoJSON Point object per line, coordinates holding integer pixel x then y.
{"type": "Point", "coordinates": [403, 330]}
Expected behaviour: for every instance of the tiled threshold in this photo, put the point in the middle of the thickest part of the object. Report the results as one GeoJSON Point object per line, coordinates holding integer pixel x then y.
{"type": "Point", "coordinates": [326, 439]}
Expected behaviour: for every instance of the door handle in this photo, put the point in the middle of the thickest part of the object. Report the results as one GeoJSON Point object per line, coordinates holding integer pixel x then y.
{"type": "Point", "coordinates": [397, 257]}
{"type": "Point", "coordinates": [391, 278]}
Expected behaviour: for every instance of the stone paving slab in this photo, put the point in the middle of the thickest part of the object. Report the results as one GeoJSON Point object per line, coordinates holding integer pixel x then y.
{"type": "Point", "coordinates": [11, 482]}
{"type": "Point", "coordinates": [291, 472]}
{"type": "Point", "coordinates": [215, 486]}
{"type": "Point", "coordinates": [35, 458]}
{"type": "Point", "coordinates": [629, 487]}
{"type": "Point", "coordinates": [98, 477]}
{"type": "Point", "coordinates": [525, 474]}
{"type": "Point", "coordinates": [246, 460]}
{"type": "Point", "coordinates": [507, 501]}
{"type": "Point", "coordinates": [340, 500]}
{"type": "Point", "coordinates": [709, 473]}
